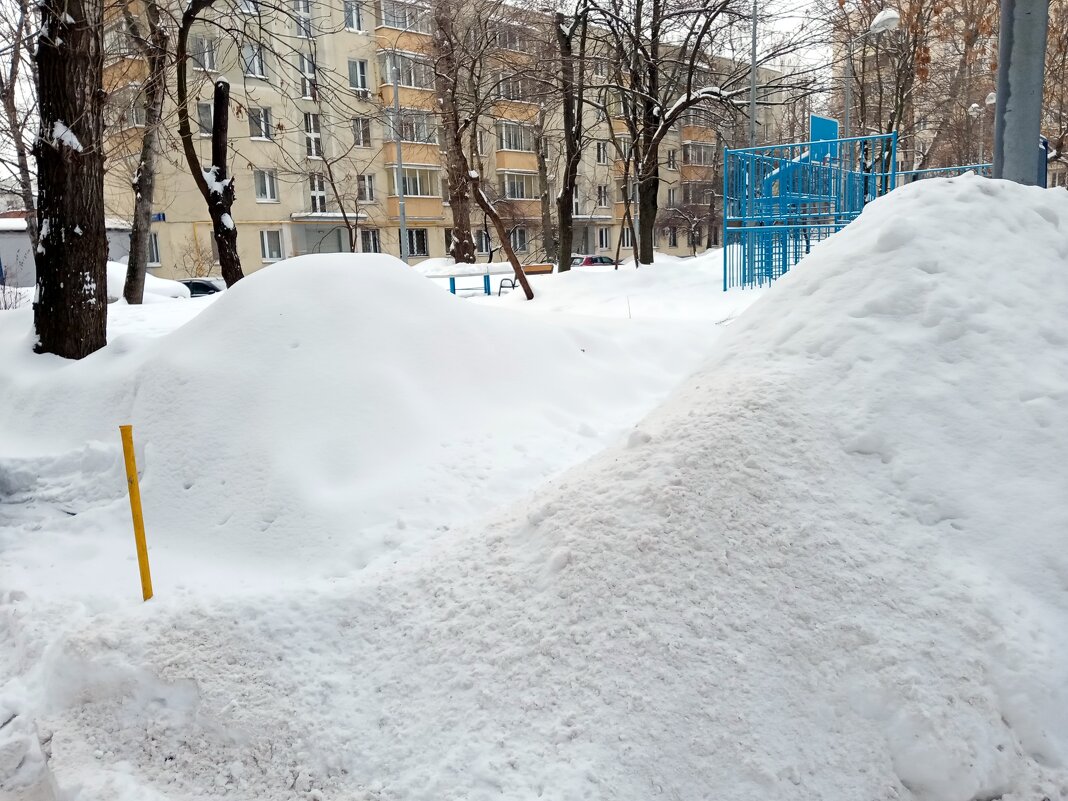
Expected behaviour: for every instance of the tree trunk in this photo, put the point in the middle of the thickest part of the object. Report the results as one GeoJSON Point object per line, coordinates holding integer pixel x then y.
{"type": "Point", "coordinates": [221, 189]}
{"type": "Point", "coordinates": [216, 189]}
{"type": "Point", "coordinates": [70, 307]}
{"type": "Point", "coordinates": [712, 240]}
{"type": "Point", "coordinates": [548, 236]}
{"type": "Point", "coordinates": [144, 183]}
{"type": "Point", "coordinates": [571, 98]}
{"type": "Point", "coordinates": [648, 185]}
{"type": "Point", "coordinates": [462, 245]}
{"type": "Point", "coordinates": [502, 233]}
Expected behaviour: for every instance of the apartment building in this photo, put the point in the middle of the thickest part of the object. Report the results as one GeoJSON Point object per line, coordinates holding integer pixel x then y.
{"type": "Point", "coordinates": [314, 154]}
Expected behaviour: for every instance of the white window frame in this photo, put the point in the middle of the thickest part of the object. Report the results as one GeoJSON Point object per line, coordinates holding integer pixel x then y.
{"type": "Point", "coordinates": [263, 114]}
{"type": "Point", "coordinates": [673, 236]}
{"type": "Point", "coordinates": [361, 131]}
{"type": "Point", "coordinates": [252, 60]}
{"type": "Point", "coordinates": [604, 238]}
{"type": "Point", "coordinates": [602, 151]}
{"type": "Point", "coordinates": [153, 250]}
{"type": "Point", "coordinates": [626, 237]}
{"type": "Point", "coordinates": [354, 21]}
{"type": "Point", "coordinates": [518, 238]}
{"type": "Point", "coordinates": [313, 136]}
{"type": "Point", "coordinates": [359, 82]}
{"type": "Point", "coordinates": [604, 196]}
{"type": "Point", "coordinates": [416, 125]}
{"type": "Point", "coordinates": [413, 71]}
{"type": "Point", "coordinates": [672, 197]}
{"type": "Point", "coordinates": [203, 52]}
{"type": "Point", "coordinates": [203, 106]}
{"type": "Point", "coordinates": [270, 186]}
{"type": "Point", "coordinates": [417, 236]}
{"type": "Point", "coordinates": [306, 71]}
{"type": "Point", "coordinates": [405, 16]}
{"type": "Point", "coordinates": [365, 188]}
{"type": "Point", "coordinates": [425, 179]}
{"type": "Point", "coordinates": [514, 136]}
{"type": "Point", "coordinates": [302, 15]}
{"type": "Point", "coordinates": [317, 192]}
{"type": "Point", "coordinates": [370, 237]}
{"type": "Point", "coordinates": [266, 254]}
{"type": "Point", "coordinates": [511, 180]}
{"type": "Point", "coordinates": [483, 241]}
{"type": "Point", "coordinates": [673, 159]}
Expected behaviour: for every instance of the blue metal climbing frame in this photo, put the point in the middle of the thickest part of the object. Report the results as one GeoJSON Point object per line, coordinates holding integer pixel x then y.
{"type": "Point", "coordinates": [779, 200]}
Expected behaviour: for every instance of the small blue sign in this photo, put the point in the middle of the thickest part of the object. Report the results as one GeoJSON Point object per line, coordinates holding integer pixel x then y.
{"type": "Point", "coordinates": [159, 216]}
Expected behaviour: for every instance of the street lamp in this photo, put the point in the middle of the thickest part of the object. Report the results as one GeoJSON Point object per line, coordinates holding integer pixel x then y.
{"type": "Point", "coordinates": [886, 20]}
{"type": "Point", "coordinates": [977, 112]}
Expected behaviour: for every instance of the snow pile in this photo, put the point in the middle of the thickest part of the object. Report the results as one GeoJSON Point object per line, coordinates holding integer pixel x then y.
{"type": "Point", "coordinates": [156, 289]}
{"type": "Point", "coordinates": [671, 288]}
{"type": "Point", "coordinates": [828, 567]}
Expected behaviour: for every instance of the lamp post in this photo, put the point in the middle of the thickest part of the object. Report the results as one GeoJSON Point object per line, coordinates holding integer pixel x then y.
{"type": "Point", "coordinates": [398, 174]}
{"type": "Point", "coordinates": [976, 113]}
{"type": "Point", "coordinates": [753, 80]}
{"type": "Point", "coordinates": [886, 20]}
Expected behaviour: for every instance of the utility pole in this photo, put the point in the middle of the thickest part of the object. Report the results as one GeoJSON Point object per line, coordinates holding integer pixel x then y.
{"type": "Point", "coordinates": [753, 81]}
{"type": "Point", "coordinates": [1021, 65]}
{"type": "Point", "coordinates": [398, 178]}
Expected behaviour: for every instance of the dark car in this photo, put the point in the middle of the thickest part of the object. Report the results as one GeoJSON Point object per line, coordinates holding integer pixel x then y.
{"type": "Point", "coordinates": [203, 286]}
{"type": "Point", "coordinates": [586, 261]}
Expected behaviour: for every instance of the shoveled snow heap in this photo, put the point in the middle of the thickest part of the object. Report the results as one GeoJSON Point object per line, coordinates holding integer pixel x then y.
{"type": "Point", "coordinates": [831, 566]}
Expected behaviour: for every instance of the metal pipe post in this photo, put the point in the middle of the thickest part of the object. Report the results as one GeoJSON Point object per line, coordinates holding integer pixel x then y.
{"type": "Point", "coordinates": [753, 81]}
{"type": "Point", "coordinates": [399, 167]}
{"type": "Point", "coordinates": [1021, 66]}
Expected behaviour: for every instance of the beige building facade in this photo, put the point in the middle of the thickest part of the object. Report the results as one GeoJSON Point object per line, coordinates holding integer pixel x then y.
{"type": "Point", "coordinates": [313, 152]}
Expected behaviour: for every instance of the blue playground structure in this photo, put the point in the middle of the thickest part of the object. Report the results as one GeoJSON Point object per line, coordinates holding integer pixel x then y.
{"type": "Point", "coordinates": [779, 200]}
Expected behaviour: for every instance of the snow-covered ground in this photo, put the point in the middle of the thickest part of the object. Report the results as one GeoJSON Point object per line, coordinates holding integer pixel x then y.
{"type": "Point", "coordinates": [408, 546]}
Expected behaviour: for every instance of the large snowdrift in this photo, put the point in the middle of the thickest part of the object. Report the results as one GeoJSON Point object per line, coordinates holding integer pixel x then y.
{"type": "Point", "coordinates": [831, 566]}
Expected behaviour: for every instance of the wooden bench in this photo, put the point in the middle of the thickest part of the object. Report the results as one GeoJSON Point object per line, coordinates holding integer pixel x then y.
{"type": "Point", "coordinates": [472, 271]}
{"type": "Point", "coordinates": [529, 269]}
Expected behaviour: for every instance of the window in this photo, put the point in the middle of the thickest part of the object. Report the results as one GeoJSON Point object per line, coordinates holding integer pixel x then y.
{"type": "Point", "coordinates": [519, 186]}
{"type": "Point", "coordinates": [413, 126]}
{"type": "Point", "coordinates": [405, 16]}
{"type": "Point", "coordinates": [512, 136]}
{"type": "Point", "coordinates": [510, 37]}
{"type": "Point", "coordinates": [271, 245]}
{"type": "Point", "coordinates": [482, 240]}
{"type": "Point", "coordinates": [252, 60]}
{"type": "Point", "coordinates": [153, 249]}
{"type": "Point", "coordinates": [673, 237]}
{"type": "Point", "coordinates": [518, 238]}
{"type": "Point", "coordinates": [576, 202]}
{"type": "Point", "coordinates": [306, 71]}
{"type": "Point", "coordinates": [317, 191]}
{"type": "Point", "coordinates": [600, 67]}
{"type": "Point", "coordinates": [361, 131]}
{"type": "Point", "coordinates": [313, 136]}
{"type": "Point", "coordinates": [417, 242]}
{"type": "Point", "coordinates": [117, 42]}
{"type": "Point", "coordinates": [358, 76]}
{"type": "Point", "coordinates": [369, 242]}
{"type": "Point", "coordinates": [204, 116]}
{"type": "Point", "coordinates": [353, 15]}
{"type": "Point", "coordinates": [624, 148]}
{"type": "Point", "coordinates": [249, 6]}
{"type": "Point", "coordinates": [365, 188]}
{"type": "Point", "coordinates": [259, 123]}
{"type": "Point", "coordinates": [672, 198]}
{"type": "Point", "coordinates": [633, 191]}
{"type": "Point", "coordinates": [604, 238]}
{"type": "Point", "coordinates": [602, 152]}
{"type": "Point", "coordinates": [512, 87]}
{"type": "Point", "coordinates": [602, 196]}
{"type": "Point", "coordinates": [202, 51]}
{"type": "Point", "coordinates": [302, 17]}
{"type": "Point", "coordinates": [411, 71]}
{"type": "Point", "coordinates": [673, 159]}
{"type": "Point", "coordinates": [266, 185]}
{"type": "Point", "coordinates": [626, 237]}
{"type": "Point", "coordinates": [693, 153]}
{"type": "Point", "coordinates": [416, 182]}
{"type": "Point", "coordinates": [481, 142]}
{"type": "Point", "coordinates": [697, 192]}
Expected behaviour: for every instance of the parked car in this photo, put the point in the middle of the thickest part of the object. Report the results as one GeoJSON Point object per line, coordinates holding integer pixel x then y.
{"type": "Point", "coordinates": [203, 286]}
{"type": "Point", "coordinates": [586, 261]}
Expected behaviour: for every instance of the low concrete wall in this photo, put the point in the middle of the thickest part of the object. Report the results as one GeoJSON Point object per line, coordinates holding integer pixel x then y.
{"type": "Point", "coordinates": [16, 255]}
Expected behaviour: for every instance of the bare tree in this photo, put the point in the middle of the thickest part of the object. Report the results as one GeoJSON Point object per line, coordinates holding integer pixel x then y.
{"type": "Point", "coordinates": [153, 49]}
{"type": "Point", "coordinates": [18, 91]}
{"type": "Point", "coordinates": [70, 308]}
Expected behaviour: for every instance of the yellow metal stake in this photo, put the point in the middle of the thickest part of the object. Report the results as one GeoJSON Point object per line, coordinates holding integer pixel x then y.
{"type": "Point", "coordinates": [135, 510]}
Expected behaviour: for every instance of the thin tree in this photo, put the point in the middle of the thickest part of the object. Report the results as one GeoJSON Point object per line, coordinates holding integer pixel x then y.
{"type": "Point", "coordinates": [70, 308]}
{"type": "Point", "coordinates": [153, 49]}
{"type": "Point", "coordinates": [18, 85]}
